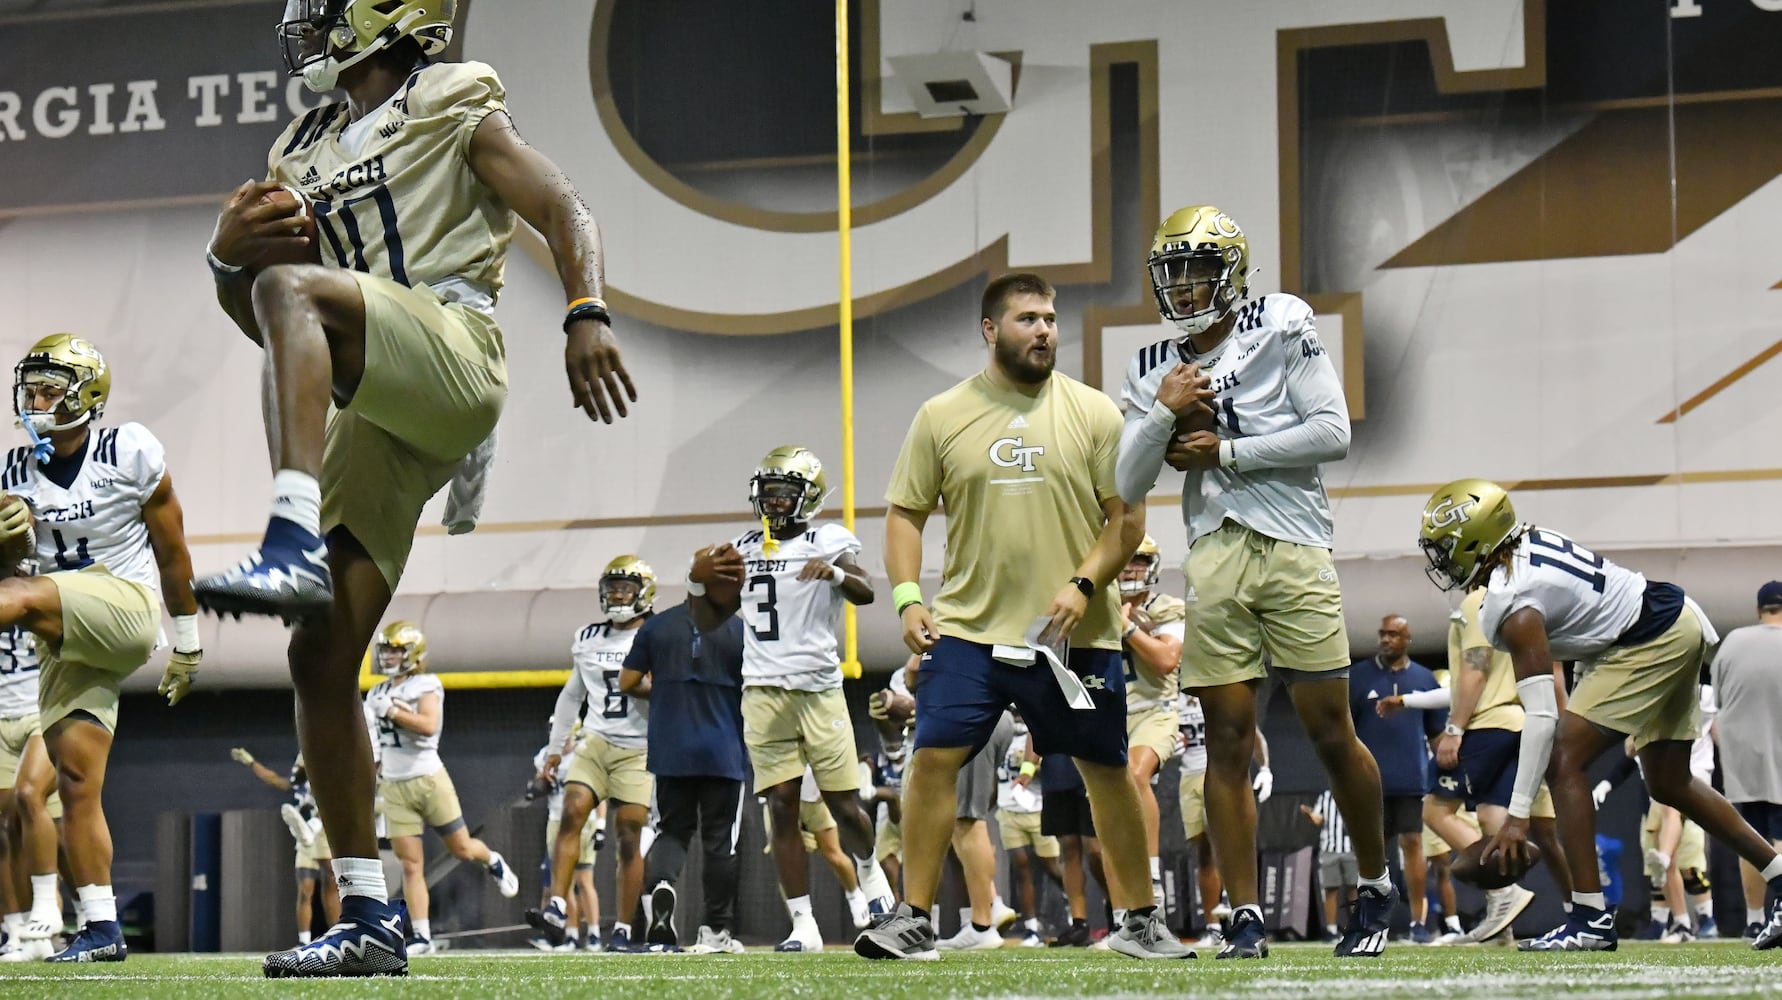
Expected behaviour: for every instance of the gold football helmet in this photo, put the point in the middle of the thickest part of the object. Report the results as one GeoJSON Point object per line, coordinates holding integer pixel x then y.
{"type": "Point", "coordinates": [320, 38]}
{"type": "Point", "coordinates": [1199, 245]}
{"type": "Point", "coordinates": [627, 589]}
{"type": "Point", "coordinates": [400, 648]}
{"type": "Point", "coordinates": [1464, 523]}
{"type": "Point", "coordinates": [788, 487]}
{"type": "Point", "coordinates": [66, 362]}
{"type": "Point", "coordinates": [1153, 560]}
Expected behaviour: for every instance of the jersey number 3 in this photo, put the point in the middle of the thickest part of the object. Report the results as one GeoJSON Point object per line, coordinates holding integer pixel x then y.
{"type": "Point", "coordinates": [765, 622]}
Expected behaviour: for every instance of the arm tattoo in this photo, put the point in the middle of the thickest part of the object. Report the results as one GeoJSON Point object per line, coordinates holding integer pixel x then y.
{"type": "Point", "coordinates": [1478, 658]}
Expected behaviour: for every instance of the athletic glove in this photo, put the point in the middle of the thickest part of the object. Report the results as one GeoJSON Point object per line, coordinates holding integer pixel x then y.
{"type": "Point", "coordinates": [176, 680]}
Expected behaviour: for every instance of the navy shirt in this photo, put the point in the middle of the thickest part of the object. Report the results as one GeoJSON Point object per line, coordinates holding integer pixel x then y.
{"type": "Point", "coordinates": [1400, 744]}
{"type": "Point", "coordinates": [695, 695]}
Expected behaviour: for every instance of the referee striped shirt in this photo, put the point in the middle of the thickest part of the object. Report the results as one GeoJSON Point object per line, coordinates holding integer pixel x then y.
{"type": "Point", "coordinates": [1333, 836]}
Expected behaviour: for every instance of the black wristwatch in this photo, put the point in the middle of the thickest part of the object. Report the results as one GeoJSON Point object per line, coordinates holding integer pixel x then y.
{"type": "Point", "coordinates": [1084, 584]}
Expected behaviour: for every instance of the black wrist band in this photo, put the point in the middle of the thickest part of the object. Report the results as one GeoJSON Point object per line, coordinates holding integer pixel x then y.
{"type": "Point", "coordinates": [587, 310]}
{"type": "Point", "coordinates": [901, 608]}
{"type": "Point", "coordinates": [1083, 584]}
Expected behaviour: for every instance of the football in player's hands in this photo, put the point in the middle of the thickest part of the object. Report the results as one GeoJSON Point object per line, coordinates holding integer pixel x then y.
{"type": "Point", "coordinates": [1200, 418]}
{"type": "Point", "coordinates": [18, 544]}
{"type": "Point", "coordinates": [1488, 875]}
{"type": "Point", "coordinates": [294, 205]}
{"type": "Point", "coordinates": [720, 569]}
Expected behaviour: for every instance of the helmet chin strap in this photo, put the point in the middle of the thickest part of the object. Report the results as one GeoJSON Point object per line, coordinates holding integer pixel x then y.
{"type": "Point", "coordinates": [36, 425]}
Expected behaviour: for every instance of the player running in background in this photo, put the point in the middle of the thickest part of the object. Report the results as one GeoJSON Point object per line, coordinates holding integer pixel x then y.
{"type": "Point", "coordinates": [313, 852]}
{"type": "Point", "coordinates": [408, 712]}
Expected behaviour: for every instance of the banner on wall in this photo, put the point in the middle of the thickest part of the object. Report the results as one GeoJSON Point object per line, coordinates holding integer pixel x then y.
{"type": "Point", "coordinates": [120, 105]}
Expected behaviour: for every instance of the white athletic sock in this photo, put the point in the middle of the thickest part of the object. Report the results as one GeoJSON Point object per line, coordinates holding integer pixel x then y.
{"type": "Point", "coordinates": [572, 933]}
{"type": "Point", "coordinates": [617, 927]}
{"type": "Point", "coordinates": [45, 904]}
{"type": "Point", "coordinates": [965, 916]}
{"type": "Point", "coordinates": [1594, 900]}
{"type": "Point", "coordinates": [302, 937]}
{"type": "Point", "coordinates": [297, 497]}
{"type": "Point", "coordinates": [361, 877]}
{"type": "Point", "coordinates": [99, 905]}
{"type": "Point", "coordinates": [865, 868]}
{"type": "Point", "coordinates": [423, 928]}
{"type": "Point", "coordinates": [799, 906]}
{"type": "Point", "coordinates": [1661, 913]}
{"type": "Point", "coordinates": [1754, 915]}
{"type": "Point", "coordinates": [1156, 868]}
{"type": "Point", "coordinates": [1119, 916]}
{"type": "Point", "coordinates": [1566, 907]}
{"type": "Point", "coordinates": [1452, 922]}
{"type": "Point", "coordinates": [13, 921]}
{"type": "Point", "coordinates": [1773, 870]}
{"type": "Point", "coordinates": [1330, 928]}
{"type": "Point", "coordinates": [1379, 883]}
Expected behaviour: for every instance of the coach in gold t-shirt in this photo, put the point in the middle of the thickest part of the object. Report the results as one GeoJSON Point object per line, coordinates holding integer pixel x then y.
{"type": "Point", "coordinates": [1024, 460]}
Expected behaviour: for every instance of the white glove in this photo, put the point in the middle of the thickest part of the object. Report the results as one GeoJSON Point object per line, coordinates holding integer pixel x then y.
{"type": "Point", "coordinates": [380, 704]}
{"type": "Point", "coordinates": [1600, 792]}
{"type": "Point", "coordinates": [1264, 784]}
{"type": "Point", "coordinates": [176, 680]}
{"type": "Point", "coordinates": [242, 757]}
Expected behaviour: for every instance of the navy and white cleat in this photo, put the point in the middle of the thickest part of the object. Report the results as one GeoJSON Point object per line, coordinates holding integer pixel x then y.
{"type": "Point", "coordinates": [287, 578]}
{"type": "Point", "coordinates": [101, 941]}
{"type": "Point", "coordinates": [1586, 928]}
{"type": "Point", "coordinates": [368, 941]}
{"type": "Point", "coordinates": [1370, 920]}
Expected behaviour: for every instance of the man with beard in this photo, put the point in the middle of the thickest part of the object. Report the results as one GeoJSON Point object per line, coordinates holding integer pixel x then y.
{"type": "Point", "coordinates": [1024, 459]}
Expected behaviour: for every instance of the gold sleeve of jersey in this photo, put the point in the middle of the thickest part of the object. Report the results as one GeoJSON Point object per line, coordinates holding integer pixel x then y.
{"type": "Point", "coordinates": [1165, 609]}
{"type": "Point", "coordinates": [468, 91]}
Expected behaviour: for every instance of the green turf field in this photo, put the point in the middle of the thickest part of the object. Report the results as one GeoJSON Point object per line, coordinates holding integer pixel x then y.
{"type": "Point", "coordinates": [1727, 969]}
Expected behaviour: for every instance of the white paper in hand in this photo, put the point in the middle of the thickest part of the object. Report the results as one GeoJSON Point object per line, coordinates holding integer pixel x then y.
{"type": "Point", "coordinates": [1056, 653]}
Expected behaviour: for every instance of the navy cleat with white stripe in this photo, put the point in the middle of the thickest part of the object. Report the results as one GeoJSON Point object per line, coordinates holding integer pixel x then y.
{"type": "Point", "coordinates": [368, 941]}
{"type": "Point", "coordinates": [286, 579]}
{"type": "Point", "coordinates": [99, 941]}
{"type": "Point", "coordinates": [1586, 928]}
{"type": "Point", "coordinates": [1370, 918]}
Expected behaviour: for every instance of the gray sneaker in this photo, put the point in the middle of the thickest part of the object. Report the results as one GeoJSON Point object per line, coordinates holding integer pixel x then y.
{"type": "Point", "coordinates": [898, 934]}
{"type": "Point", "coordinates": [1147, 936]}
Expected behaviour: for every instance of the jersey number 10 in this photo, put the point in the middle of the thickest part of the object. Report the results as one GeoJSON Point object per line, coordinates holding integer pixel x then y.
{"type": "Point", "coordinates": [337, 219]}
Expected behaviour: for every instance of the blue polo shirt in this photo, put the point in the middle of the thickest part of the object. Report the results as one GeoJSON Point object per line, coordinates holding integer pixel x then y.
{"type": "Point", "coordinates": [1400, 745]}
{"type": "Point", "coordinates": [695, 696]}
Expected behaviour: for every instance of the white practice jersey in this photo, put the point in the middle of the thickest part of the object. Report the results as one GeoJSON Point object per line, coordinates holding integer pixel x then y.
{"type": "Point", "coordinates": [790, 624]}
{"type": "Point", "coordinates": [97, 516]}
{"type": "Point", "coordinates": [18, 673]}
{"type": "Point", "coordinates": [1194, 735]}
{"type": "Point", "coordinates": [1010, 796]}
{"type": "Point", "coordinates": [406, 754]}
{"type": "Point", "coordinates": [598, 654]}
{"type": "Point", "coordinates": [1279, 401]}
{"type": "Point", "coordinates": [1587, 601]}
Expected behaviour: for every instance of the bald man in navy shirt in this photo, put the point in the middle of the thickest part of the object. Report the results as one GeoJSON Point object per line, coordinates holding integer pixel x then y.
{"type": "Point", "coordinates": [1401, 746]}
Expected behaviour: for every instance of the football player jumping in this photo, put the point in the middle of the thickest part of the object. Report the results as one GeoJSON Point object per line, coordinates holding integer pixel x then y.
{"type": "Point", "coordinates": [416, 179]}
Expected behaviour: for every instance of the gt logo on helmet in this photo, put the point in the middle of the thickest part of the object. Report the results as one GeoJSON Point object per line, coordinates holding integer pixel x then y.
{"type": "Point", "coordinates": [1451, 511]}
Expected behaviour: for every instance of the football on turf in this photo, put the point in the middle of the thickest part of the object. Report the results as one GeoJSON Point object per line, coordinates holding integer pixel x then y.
{"type": "Point", "coordinates": [18, 555]}
{"type": "Point", "coordinates": [1469, 869]}
{"type": "Point", "coordinates": [294, 204]}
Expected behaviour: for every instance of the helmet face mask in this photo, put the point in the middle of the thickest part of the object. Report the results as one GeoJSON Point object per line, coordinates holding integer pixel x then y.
{"type": "Point", "coordinates": [788, 487]}
{"type": "Point", "coordinates": [1199, 268]}
{"type": "Point", "coordinates": [67, 373]}
{"type": "Point", "coordinates": [1143, 570]}
{"type": "Point", "coordinates": [627, 590]}
{"type": "Point", "coordinates": [321, 38]}
{"type": "Point", "coordinates": [401, 648]}
{"type": "Point", "coordinates": [1465, 524]}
